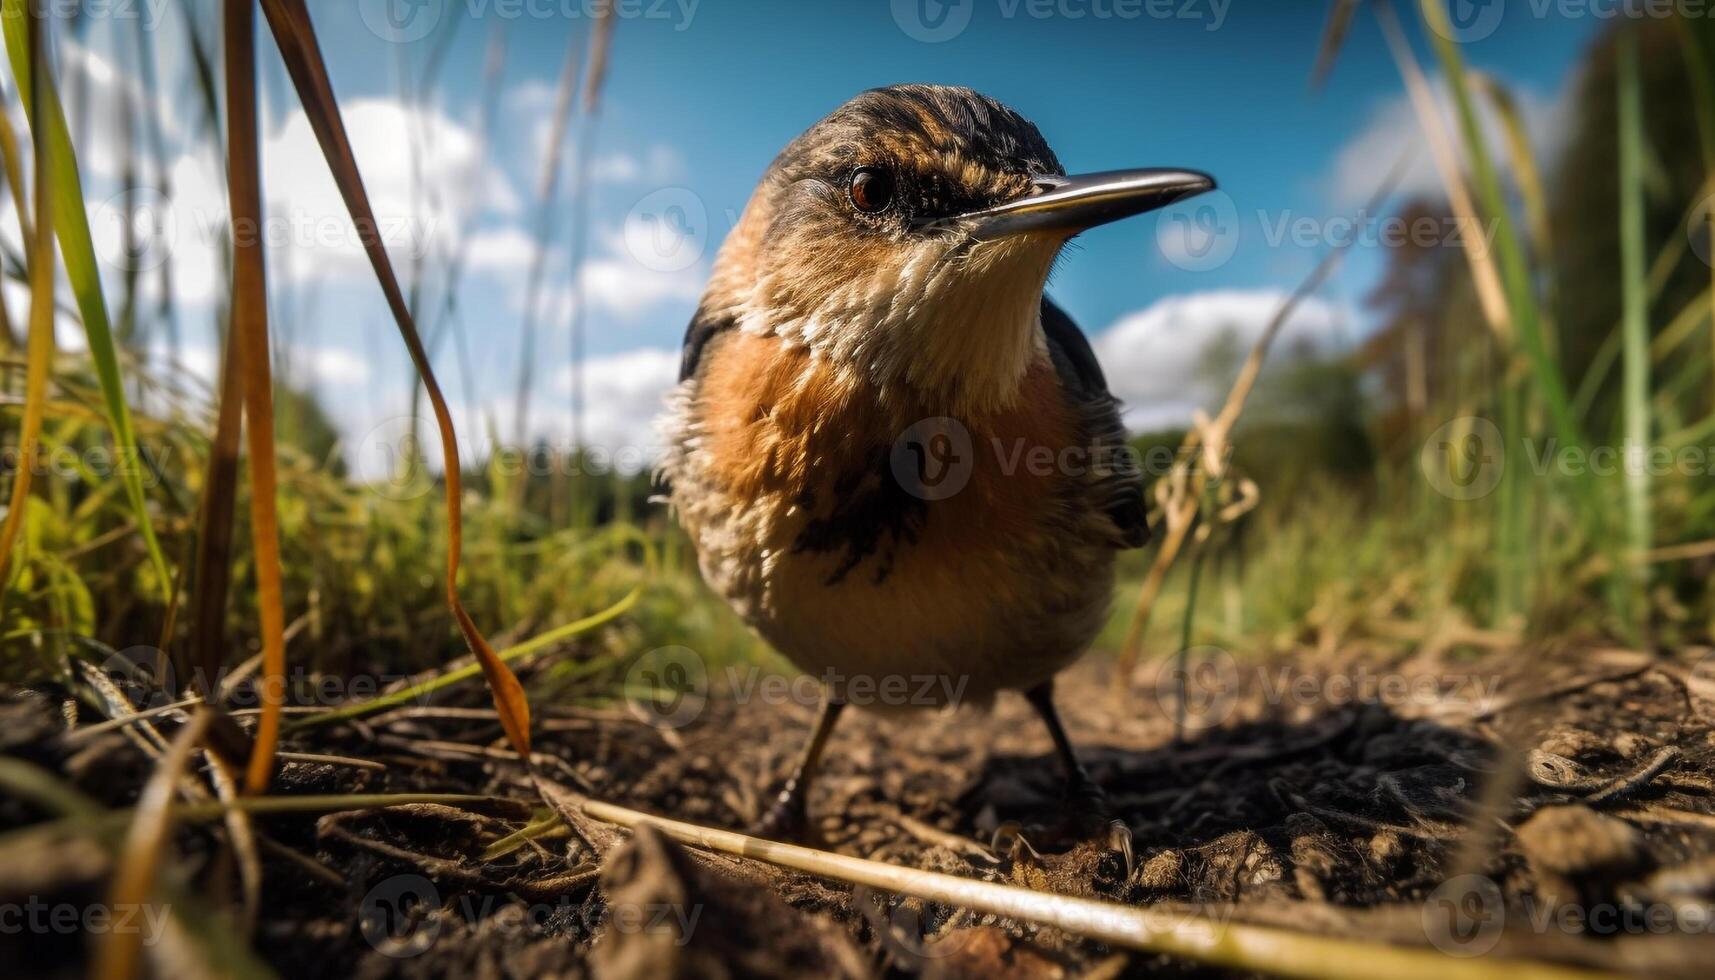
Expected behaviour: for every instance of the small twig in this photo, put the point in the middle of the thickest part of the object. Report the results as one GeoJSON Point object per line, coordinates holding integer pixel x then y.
{"type": "Point", "coordinates": [241, 832]}
{"type": "Point", "coordinates": [418, 712]}
{"type": "Point", "coordinates": [1559, 772]}
{"type": "Point", "coordinates": [544, 889]}
{"type": "Point", "coordinates": [333, 826]}
{"type": "Point", "coordinates": [1655, 813]}
{"type": "Point", "coordinates": [309, 803]}
{"type": "Point", "coordinates": [1559, 691]}
{"type": "Point", "coordinates": [78, 736]}
{"type": "Point", "coordinates": [1181, 492]}
{"type": "Point", "coordinates": [331, 760]}
{"type": "Point", "coordinates": [310, 865]}
{"type": "Point", "coordinates": [1425, 831]}
{"type": "Point", "coordinates": [120, 706]}
{"type": "Point", "coordinates": [458, 751]}
{"type": "Point", "coordinates": [1499, 795]}
{"type": "Point", "coordinates": [936, 837]}
{"type": "Point", "coordinates": [146, 843]}
{"type": "Point", "coordinates": [231, 681]}
{"type": "Point", "coordinates": [1624, 787]}
{"type": "Point", "coordinates": [1212, 938]}
{"type": "Point", "coordinates": [547, 828]}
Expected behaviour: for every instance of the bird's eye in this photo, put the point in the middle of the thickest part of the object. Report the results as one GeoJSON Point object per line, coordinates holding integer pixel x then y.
{"type": "Point", "coordinates": [871, 189]}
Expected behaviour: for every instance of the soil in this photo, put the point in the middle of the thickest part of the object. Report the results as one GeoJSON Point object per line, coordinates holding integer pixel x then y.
{"type": "Point", "coordinates": [1551, 806]}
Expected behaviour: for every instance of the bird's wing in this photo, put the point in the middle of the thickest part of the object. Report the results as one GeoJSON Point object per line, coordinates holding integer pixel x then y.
{"type": "Point", "coordinates": [1117, 481]}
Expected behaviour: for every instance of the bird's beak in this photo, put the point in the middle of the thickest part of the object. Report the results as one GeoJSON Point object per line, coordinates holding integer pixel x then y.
{"type": "Point", "coordinates": [1070, 205]}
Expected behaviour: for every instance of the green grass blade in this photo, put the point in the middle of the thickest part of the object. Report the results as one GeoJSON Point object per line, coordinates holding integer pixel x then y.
{"type": "Point", "coordinates": [1702, 79]}
{"type": "Point", "coordinates": [1661, 269]}
{"type": "Point", "coordinates": [1524, 308]}
{"type": "Point", "coordinates": [546, 188]}
{"type": "Point", "coordinates": [249, 337]}
{"type": "Point", "coordinates": [72, 227]}
{"type": "Point", "coordinates": [12, 158]}
{"type": "Point", "coordinates": [1531, 185]}
{"type": "Point", "coordinates": [39, 247]}
{"type": "Point", "coordinates": [1334, 32]}
{"type": "Point", "coordinates": [295, 36]}
{"type": "Point", "coordinates": [1635, 354]}
{"type": "Point", "coordinates": [1515, 274]}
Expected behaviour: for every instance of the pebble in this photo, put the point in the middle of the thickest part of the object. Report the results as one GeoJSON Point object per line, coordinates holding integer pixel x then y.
{"type": "Point", "coordinates": [1162, 871]}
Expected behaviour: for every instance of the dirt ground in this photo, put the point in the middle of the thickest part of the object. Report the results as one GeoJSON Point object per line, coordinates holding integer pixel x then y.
{"type": "Point", "coordinates": [1556, 806]}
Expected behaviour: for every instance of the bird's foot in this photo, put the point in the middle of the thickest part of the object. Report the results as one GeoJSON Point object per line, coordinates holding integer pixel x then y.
{"type": "Point", "coordinates": [1087, 800]}
{"type": "Point", "coordinates": [1092, 817]}
{"type": "Point", "coordinates": [1086, 817]}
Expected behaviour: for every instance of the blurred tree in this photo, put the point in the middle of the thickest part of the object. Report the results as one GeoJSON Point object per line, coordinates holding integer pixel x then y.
{"type": "Point", "coordinates": [1584, 191]}
{"type": "Point", "coordinates": [301, 422]}
{"type": "Point", "coordinates": [1430, 328]}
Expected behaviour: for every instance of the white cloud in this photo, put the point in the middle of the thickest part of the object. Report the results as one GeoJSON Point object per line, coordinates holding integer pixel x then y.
{"type": "Point", "coordinates": [531, 96]}
{"type": "Point", "coordinates": [308, 231]}
{"type": "Point", "coordinates": [612, 284]}
{"type": "Point", "coordinates": [623, 395]}
{"type": "Point", "coordinates": [506, 250]}
{"type": "Point", "coordinates": [304, 362]}
{"type": "Point", "coordinates": [1393, 129]}
{"type": "Point", "coordinates": [661, 164]}
{"type": "Point", "coordinates": [423, 210]}
{"type": "Point", "coordinates": [112, 95]}
{"type": "Point", "coordinates": [626, 288]}
{"type": "Point", "coordinates": [618, 168]}
{"type": "Point", "coordinates": [330, 365]}
{"type": "Point", "coordinates": [1153, 357]}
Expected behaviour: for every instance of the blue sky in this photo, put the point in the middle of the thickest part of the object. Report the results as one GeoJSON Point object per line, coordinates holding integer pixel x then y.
{"type": "Point", "coordinates": [701, 95]}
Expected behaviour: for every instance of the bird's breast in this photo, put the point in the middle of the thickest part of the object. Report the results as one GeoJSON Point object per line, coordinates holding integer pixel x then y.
{"type": "Point", "coordinates": [867, 472]}
{"type": "Point", "coordinates": [850, 523]}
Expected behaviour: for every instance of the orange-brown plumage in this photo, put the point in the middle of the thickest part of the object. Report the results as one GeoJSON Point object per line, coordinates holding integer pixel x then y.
{"type": "Point", "coordinates": [875, 315]}
{"type": "Point", "coordinates": [781, 424]}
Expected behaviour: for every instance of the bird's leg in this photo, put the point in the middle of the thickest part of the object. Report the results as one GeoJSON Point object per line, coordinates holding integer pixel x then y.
{"type": "Point", "coordinates": [1081, 790]}
{"type": "Point", "coordinates": [789, 815]}
{"type": "Point", "coordinates": [1088, 802]}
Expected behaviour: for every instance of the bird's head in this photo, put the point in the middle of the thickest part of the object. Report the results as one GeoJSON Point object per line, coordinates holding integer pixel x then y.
{"type": "Point", "coordinates": [909, 235]}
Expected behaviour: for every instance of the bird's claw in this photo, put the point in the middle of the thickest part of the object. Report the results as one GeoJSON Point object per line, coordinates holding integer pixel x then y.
{"type": "Point", "coordinates": [1090, 808]}
{"type": "Point", "coordinates": [1119, 839]}
{"type": "Point", "coordinates": [1008, 842]}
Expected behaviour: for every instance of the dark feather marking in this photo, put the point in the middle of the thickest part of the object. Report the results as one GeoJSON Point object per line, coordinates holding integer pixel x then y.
{"type": "Point", "coordinates": [869, 505]}
{"type": "Point", "coordinates": [1118, 483]}
{"type": "Point", "coordinates": [702, 328]}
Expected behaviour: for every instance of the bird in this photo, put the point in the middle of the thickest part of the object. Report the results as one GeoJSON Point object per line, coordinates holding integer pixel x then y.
{"type": "Point", "coordinates": [892, 454]}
